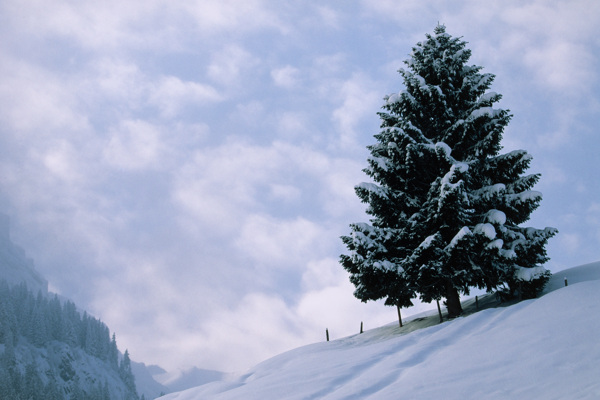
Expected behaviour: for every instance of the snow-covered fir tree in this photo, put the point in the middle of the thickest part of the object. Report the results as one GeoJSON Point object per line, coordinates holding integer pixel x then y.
{"type": "Point", "coordinates": [446, 205]}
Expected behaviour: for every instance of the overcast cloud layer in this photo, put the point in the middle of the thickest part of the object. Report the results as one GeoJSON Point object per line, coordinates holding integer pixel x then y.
{"type": "Point", "coordinates": [184, 171]}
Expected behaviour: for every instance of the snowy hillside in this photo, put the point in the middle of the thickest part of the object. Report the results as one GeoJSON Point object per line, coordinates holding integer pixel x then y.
{"type": "Point", "coordinates": [49, 350]}
{"type": "Point", "coordinates": [80, 373]}
{"type": "Point", "coordinates": [542, 348]}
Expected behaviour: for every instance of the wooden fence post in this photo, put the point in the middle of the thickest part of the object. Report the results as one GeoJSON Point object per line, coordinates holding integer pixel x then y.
{"type": "Point", "coordinates": [476, 303]}
{"type": "Point", "coordinates": [327, 334]}
{"type": "Point", "coordinates": [361, 327]}
{"type": "Point", "coordinates": [566, 283]}
{"type": "Point", "coordinates": [439, 311]}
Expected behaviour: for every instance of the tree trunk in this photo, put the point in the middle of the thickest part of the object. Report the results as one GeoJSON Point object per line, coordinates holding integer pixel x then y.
{"type": "Point", "coordinates": [452, 301]}
{"type": "Point", "coordinates": [399, 316]}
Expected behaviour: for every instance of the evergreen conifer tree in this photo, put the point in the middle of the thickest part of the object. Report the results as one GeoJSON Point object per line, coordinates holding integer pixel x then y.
{"type": "Point", "coordinates": [127, 376]}
{"type": "Point", "coordinates": [113, 353]}
{"type": "Point", "coordinates": [446, 205]}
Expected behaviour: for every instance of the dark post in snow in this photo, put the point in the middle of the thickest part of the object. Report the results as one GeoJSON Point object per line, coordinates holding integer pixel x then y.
{"type": "Point", "coordinates": [476, 303]}
{"type": "Point", "coordinates": [399, 316]}
{"type": "Point", "coordinates": [566, 283]}
{"type": "Point", "coordinates": [327, 334]}
{"type": "Point", "coordinates": [361, 327]}
{"type": "Point", "coordinates": [439, 311]}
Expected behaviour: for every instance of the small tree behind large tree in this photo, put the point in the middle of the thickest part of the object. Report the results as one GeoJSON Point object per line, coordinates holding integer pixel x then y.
{"type": "Point", "coordinates": [446, 206]}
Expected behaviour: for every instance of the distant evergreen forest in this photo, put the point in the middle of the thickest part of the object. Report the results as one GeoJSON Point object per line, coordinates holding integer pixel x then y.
{"type": "Point", "coordinates": [60, 336]}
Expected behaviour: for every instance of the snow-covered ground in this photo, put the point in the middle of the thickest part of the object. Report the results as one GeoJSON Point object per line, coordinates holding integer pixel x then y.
{"type": "Point", "coordinates": [546, 348]}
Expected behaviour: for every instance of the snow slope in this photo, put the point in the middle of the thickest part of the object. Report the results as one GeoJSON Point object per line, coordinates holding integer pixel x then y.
{"type": "Point", "coordinates": [77, 368]}
{"type": "Point", "coordinates": [542, 348]}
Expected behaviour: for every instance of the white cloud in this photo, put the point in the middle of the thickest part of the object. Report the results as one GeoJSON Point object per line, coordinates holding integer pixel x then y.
{"type": "Point", "coordinates": [292, 124]}
{"type": "Point", "coordinates": [134, 144]}
{"type": "Point", "coordinates": [323, 273]}
{"type": "Point", "coordinates": [35, 102]}
{"type": "Point", "coordinates": [219, 184]}
{"type": "Point", "coordinates": [329, 17]}
{"type": "Point", "coordinates": [327, 65]}
{"type": "Point", "coordinates": [561, 66]}
{"type": "Point", "coordinates": [228, 64]}
{"type": "Point", "coordinates": [251, 113]}
{"type": "Point", "coordinates": [228, 15]}
{"type": "Point", "coordinates": [548, 38]}
{"type": "Point", "coordinates": [122, 82]}
{"type": "Point", "coordinates": [112, 25]}
{"type": "Point", "coordinates": [594, 209]}
{"type": "Point", "coordinates": [286, 77]}
{"type": "Point", "coordinates": [335, 308]}
{"type": "Point", "coordinates": [287, 193]}
{"type": "Point", "coordinates": [406, 12]}
{"type": "Point", "coordinates": [280, 243]}
{"type": "Point", "coordinates": [339, 198]}
{"type": "Point", "coordinates": [552, 175]}
{"type": "Point", "coordinates": [118, 81]}
{"type": "Point", "coordinates": [97, 25]}
{"type": "Point", "coordinates": [223, 183]}
{"type": "Point", "coordinates": [62, 161]}
{"type": "Point", "coordinates": [569, 242]}
{"type": "Point", "coordinates": [234, 339]}
{"type": "Point", "coordinates": [358, 101]}
{"type": "Point", "coordinates": [171, 94]}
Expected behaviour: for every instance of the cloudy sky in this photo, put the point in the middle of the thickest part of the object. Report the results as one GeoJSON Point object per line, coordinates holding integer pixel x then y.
{"type": "Point", "coordinates": [183, 170]}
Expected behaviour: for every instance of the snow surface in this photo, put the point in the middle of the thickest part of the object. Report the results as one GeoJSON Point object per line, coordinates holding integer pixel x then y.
{"type": "Point", "coordinates": [486, 229]}
{"type": "Point", "coordinates": [484, 111]}
{"type": "Point", "coordinates": [486, 98]}
{"type": "Point", "coordinates": [546, 348]}
{"type": "Point", "coordinates": [528, 274]}
{"type": "Point", "coordinates": [461, 234]}
{"type": "Point", "coordinates": [496, 217]}
{"type": "Point", "coordinates": [73, 362]}
{"type": "Point", "coordinates": [444, 147]}
{"type": "Point", "coordinates": [497, 243]}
